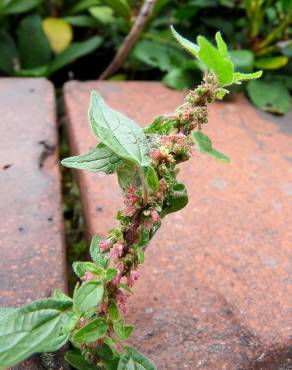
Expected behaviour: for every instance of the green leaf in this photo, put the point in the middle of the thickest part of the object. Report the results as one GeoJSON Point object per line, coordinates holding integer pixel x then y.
{"type": "Point", "coordinates": [114, 312]}
{"type": "Point", "coordinates": [110, 274]}
{"type": "Point", "coordinates": [103, 14]}
{"type": "Point", "coordinates": [180, 78]}
{"type": "Point", "coordinates": [161, 125]}
{"type": "Point", "coordinates": [105, 352]}
{"type": "Point", "coordinates": [272, 62]}
{"type": "Point", "coordinates": [88, 296]}
{"type": "Point", "coordinates": [212, 58]}
{"type": "Point", "coordinates": [34, 72]}
{"type": "Point", "coordinates": [178, 200]}
{"type": "Point", "coordinates": [5, 311]}
{"type": "Point", "coordinates": [30, 329]}
{"type": "Point", "coordinates": [221, 93]}
{"type": "Point", "coordinates": [270, 96]}
{"type": "Point", "coordinates": [128, 330]}
{"type": "Point", "coordinates": [81, 267]}
{"type": "Point", "coordinates": [34, 47]}
{"type": "Point", "coordinates": [60, 295]}
{"type": "Point", "coordinates": [73, 52]}
{"type": "Point", "coordinates": [75, 359]}
{"type": "Point", "coordinates": [128, 174]}
{"type": "Point", "coordinates": [19, 6]}
{"type": "Point", "coordinates": [121, 7]}
{"type": "Point", "coordinates": [97, 256]}
{"type": "Point", "coordinates": [100, 158]}
{"type": "Point", "coordinates": [90, 332]}
{"type": "Point", "coordinates": [158, 55]}
{"type": "Point", "coordinates": [221, 45]}
{"type": "Point", "coordinates": [243, 60]}
{"type": "Point", "coordinates": [131, 359]}
{"type": "Point", "coordinates": [205, 146]}
{"type": "Point", "coordinates": [238, 77]}
{"type": "Point", "coordinates": [55, 344]}
{"type": "Point", "coordinates": [140, 255]}
{"type": "Point", "coordinates": [120, 330]}
{"type": "Point", "coordinates": [81, 21]}
{"type": "Point", "coordinates": [186, 44]}
{"type": "Point", "coordinates": [118, 132]}
{"type": "Point", "coordinates": [151, 178]}
{"type": "Point", "coordinates": [9, 59]}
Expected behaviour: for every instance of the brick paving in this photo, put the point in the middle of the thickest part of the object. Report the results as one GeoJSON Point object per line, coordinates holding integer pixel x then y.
{"type": "Point", "coordinates": [32, 245]}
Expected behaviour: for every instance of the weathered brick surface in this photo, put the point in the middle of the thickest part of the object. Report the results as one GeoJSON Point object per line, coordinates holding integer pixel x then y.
{"type": "Point", "coordinates": [32, 249]}
{"type": "Point", "coordinates": [214, 287]}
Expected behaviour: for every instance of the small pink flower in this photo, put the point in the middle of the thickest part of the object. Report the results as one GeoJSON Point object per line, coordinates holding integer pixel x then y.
{"type": "Point", "coordinates": [104, 245]}
{"type": "Point", "coordinates": [121, 266]}
{"type": "Point", "coordinates": [117, 279]}
{"type": "Point", "coordinates": [134, 275]}
{"type": "Point", "coordinates": [103, 307]}
{"type": "Point", "coordinates": [117, 250]}
{"type": "Point", "coordinates": [154, 215]}
{"type": "Point", "coordinates": [148, 223]}
{"type": "Point", "coordinates": [121, 300]}
{"type": "Point", "coordinates": [88, 276]}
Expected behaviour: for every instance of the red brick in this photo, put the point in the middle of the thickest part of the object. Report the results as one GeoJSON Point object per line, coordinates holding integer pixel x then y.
{"type": "Point", "coordinates": [214, 287]}
{"type": "Point", "coordinates": [32, 246]}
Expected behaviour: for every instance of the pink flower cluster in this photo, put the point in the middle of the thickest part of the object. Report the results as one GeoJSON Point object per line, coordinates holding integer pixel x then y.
{"type": "Point", "coordinates": [152, 220]}
{"type": "Point", "coordinates": [104, 245]}
{"type": "Point", "coordinates": [132, 277]}
{"type": "Point", "coordinates": [117, 250]}
{"type": "Point", "coordinates": [131, 201]}
{"type": "Point", "coordinates": [121, 300]}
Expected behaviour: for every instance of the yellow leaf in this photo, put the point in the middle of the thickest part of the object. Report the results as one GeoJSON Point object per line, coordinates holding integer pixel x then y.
{"type": "Point", "coordinates": [59, 33]}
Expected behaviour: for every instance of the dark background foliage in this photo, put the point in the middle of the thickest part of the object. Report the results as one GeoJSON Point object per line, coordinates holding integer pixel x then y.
{"type": "Point", "coordinates": [64, 39]}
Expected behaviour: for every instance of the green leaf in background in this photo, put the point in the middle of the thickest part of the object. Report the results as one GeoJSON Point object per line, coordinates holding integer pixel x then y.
{"type": "Point", "coordinates": [186, 44]}
{"type": "Point", "coordinates": [121, 7]}
{"type": "Point", "coordinates": [19, 6]}
{"type": "Point", "coordinates": [212, 58]}
{"type": "Point", "coordinates": [205, 146]}
{"type": "Point", "coordinates": [81, 21]}
{"type": "Point", "coordinates": [9, 59]}
{"type": "Point", "coordinates": [103, 14]}
{"type": "Point", "coordinates": [30, 329]}
{"type": "Point", "coordinates": [132, 359]}
{"type": "Point", "coordinates": [90, 332]}
{"type": "Point", "coordinates": [97, 256]}
{"type": "Point", "coordinates": [118, 132]}
{"type": "Point", "coordinates": [88, 296]}
{"type": "Point", "coordinates": [34, 47]}
{"type": "Point", "coordinates": [55, 344]}
{"type": "Point", "coordinates": [34, 72]}
{"type": "Point", "coordinates": [243, 60]}
{"type": "Point", "coordinates": [158, 55]}
{"type": "Point", "coordinates": [178, 200]}
{"type": "Point", "coordinates": [74, 51]}
{"type": "Point", "coordinates": [100, 158]}
{"type": "Point", "coordinates": [181, 78]}
{"type": "Point", "coordinates": [271, 96]}
{"type": "Point", "coordinates": [75, 359]}
{"type": "Point", "coordinates": [272, 62]}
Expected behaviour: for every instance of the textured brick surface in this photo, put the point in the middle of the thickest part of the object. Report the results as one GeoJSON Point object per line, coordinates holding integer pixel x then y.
{"type": "Point", "coordinates": [32, 260]}
{"type": "Point", "coordinates": [214, 287]}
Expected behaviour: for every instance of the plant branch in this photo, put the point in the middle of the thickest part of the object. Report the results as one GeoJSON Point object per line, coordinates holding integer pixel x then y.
{"type": "Point", "coordinates": [130, 40]}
